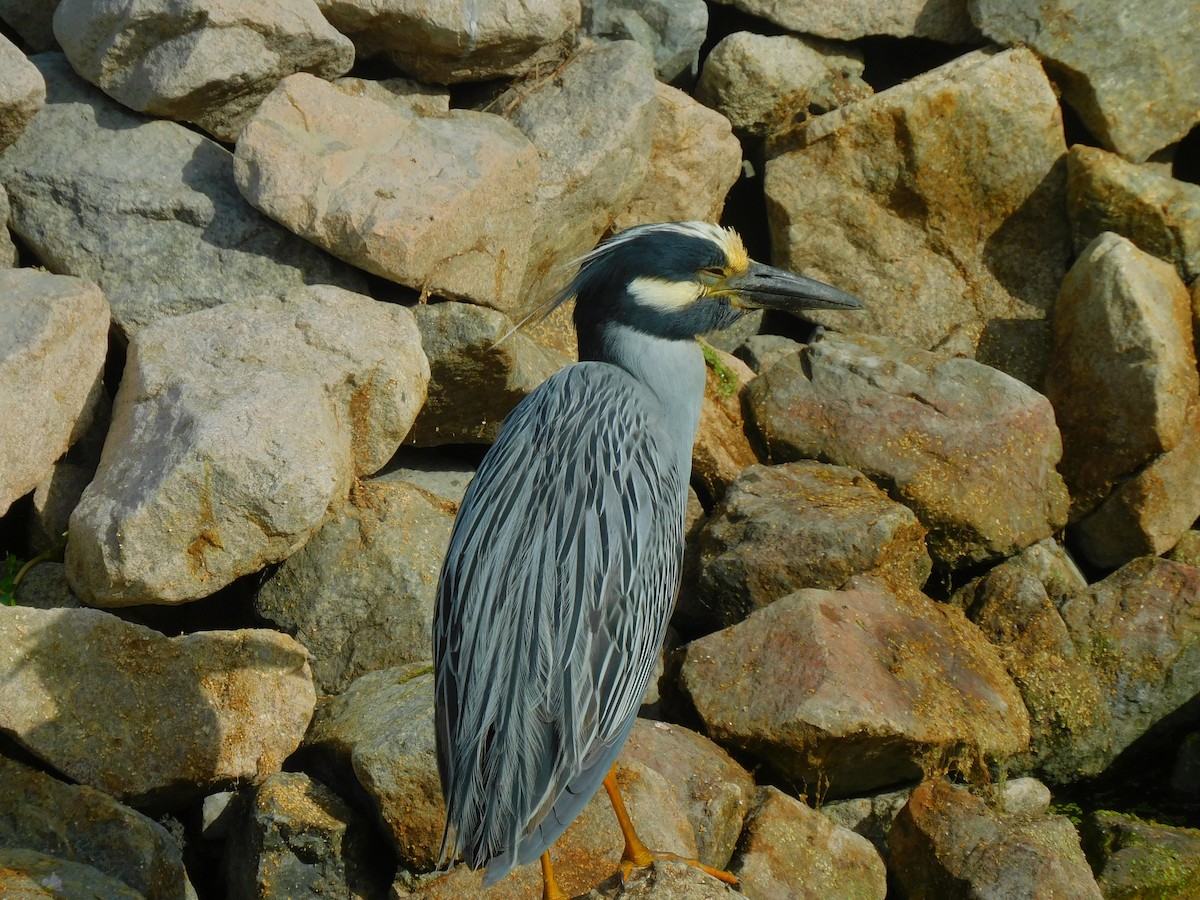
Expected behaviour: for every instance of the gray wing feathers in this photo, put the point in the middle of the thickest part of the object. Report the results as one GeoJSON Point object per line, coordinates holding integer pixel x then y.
{"type": "Point", "coordinates": [560, 575]}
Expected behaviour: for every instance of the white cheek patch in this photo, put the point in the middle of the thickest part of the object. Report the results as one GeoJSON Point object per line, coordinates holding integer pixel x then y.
{"type": "Point", "coordinates": [663, 294]}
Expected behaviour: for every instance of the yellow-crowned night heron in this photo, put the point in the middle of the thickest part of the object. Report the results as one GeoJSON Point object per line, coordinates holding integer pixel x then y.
{"type": "Point", "coordinates": [564, 561]}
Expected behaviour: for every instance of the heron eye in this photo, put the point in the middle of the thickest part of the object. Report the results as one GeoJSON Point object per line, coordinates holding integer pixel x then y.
{"type": "Point", "coordinates": [712, 274]}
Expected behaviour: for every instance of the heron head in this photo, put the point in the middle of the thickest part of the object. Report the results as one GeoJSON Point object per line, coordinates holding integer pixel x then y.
{"type": "Point", "coordinates": [680, 279]}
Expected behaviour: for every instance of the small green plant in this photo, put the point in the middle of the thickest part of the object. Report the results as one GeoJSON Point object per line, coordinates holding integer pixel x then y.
{"type": "Point", "coordinates": [726, 379]}
{"type": "Point", "coordinates": [10, 568]}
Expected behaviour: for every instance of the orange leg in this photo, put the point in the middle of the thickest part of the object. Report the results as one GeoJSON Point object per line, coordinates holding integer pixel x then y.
{"type": "Point", "coordinates": [550, 888]}
{"type": "Point", "coordinates": [638, 854]}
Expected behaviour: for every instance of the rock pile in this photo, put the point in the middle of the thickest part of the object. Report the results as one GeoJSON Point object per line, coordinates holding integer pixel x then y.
{"type": "Point", "coordinates": [258, 272]}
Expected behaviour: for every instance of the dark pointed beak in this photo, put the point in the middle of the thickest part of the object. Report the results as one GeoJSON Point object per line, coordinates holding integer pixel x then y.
{"type": "Point", "coordinates": [766, 287]}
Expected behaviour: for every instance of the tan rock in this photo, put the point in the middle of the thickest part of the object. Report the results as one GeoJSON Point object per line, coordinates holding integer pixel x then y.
{"type": "Point", "coordinates": [721, 450]}
{"type": "Point", "coordinates": [426, 201]}
{"type": "Point", "coordinates": [22, 92]}
{"type": "Point", "coordinates": [939, 202]}
{"type": "Point", "coordinates": [941, 20]}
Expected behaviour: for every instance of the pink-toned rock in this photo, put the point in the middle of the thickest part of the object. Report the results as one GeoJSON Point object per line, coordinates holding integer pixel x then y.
{"type": "Point", "coordinates": [1123, 373]}
{"type": "Point", "coordinates": [856, 689]}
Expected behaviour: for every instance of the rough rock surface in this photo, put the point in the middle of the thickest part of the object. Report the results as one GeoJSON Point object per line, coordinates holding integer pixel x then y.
{"type": "Point", "coordinates": [1131, 74]}
{"type": "Point", "coordinates": [33, 20]}
{"type": "Point", "coordinates": [789, 849]}
{"type": "Point", "coordinates": [22, 92]}
{"type": "Point", "coordinates": [902, 681]}
{"type": "Point", "coordinates": [299, 839]}
{"type": "Point", "coordinates": [204, 480]}
{"type": "Point", "coordinates": [146, 209]}
{"type": "Point", "coordinates": [53, 343]}
{"type": "Point", "coordinates": [360, 594]}
{"type": "Point", "coordinates": [941, 203]}
{"type": "Point", "coordinates": [1134, 858]}
{"type": "Point", "coordinates": [799, 525]}
{"type": "Point", "coordinates": [672, 30]}
{"type": "Point", "coordinates": [1123, 373]}
{"type": "Point", "coordinates": [444, 41]}
{"type": "Point", "coordinates": [970, 450]}
{"type": "Point", "coordinates": [948, 843]}
{"type": "Point", "coordinates": [721, 449]}
{"type": "Point", "coordinates": [1159, 214]}
{"type": "Point", "coordinates": [762, 83]}
{"type": "Point", "coordinates": [593, 125]}
{"type": "Point", "coordinates": [694, 161]}
{"type": "Point", "coordinates": [203, 710]}
{"type": "Point", "coordinates": [9, 255]}
{"type": "Point", "coordinates": [480, 368]}
{"type": "Point", "coordinates": [427, 201]}
{"type": "Point", "coordinates": [29, 875]}
{"type": "Point", "coordinates": [941, 20]}
{"type": "Point", "coordinates": [210, 62]}
{"type": "Point", "coordinates": [84, 825]}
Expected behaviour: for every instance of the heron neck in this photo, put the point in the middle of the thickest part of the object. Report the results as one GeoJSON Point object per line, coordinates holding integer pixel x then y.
{"type": "Point", "coordinates": [674, 372]}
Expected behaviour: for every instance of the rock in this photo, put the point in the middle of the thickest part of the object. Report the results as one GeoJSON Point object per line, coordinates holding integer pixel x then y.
{"type": "Point", "coordinates": [664, 879]}
{"type": "Point", "coordinates": [234, 431]}
{"type": "Point", "coordinates": [789, 849]}
{"type": "Point", "coordinates": [1135, 858]}
{"type": "Point", "coordinates": [593, 125]}
{"type": "Point", "coordinates": [948, 843]}
{"type": "Point", "coordinates": [45, 587]}
{"type": "Point", "coordinates": [1023, 796]}
{"type": "Point", "coordinates": [1130, 74]}
{"type": "Point", "coordinates": [300, 839]}
{"type": "Point", "coordinates": [1069, 716]}
{"type": "Point", "coordinates": [480, 368]}
{"type": "Point", "coordinates": [694, 161]}
{"type": "Point", "coordinates": [761, 83]}
{"type": "Point", "coordinates": [22, 92]}
{"type": "Point", "coordinates": [1158, 213]}
{"type": "Point", "coordinates": [426, 201]}
{"type": "Point", "coordinates": [672, 30]}
{"type": "Point", "coordinates": [855, 689]}
{"type": "Point", "coordinates": [84, 825]}
{"type": "Point", "coordinates": [10, 257]}
{"type": "Point", "coordinates": [970, 450]}
{"type": "Point", "coordinates": [713, 791]}
{"type": "Point", "coordinates": [32, 20]}
{"type": "Point", "coordinates": [404, 93]}
{"type": "Point", "coordinates": [146, 209]}
{"type": "Point", "coordinates": [29, 875]}
{"type": "Point", "coordinates": [444, 42]}
{"type": "Point", "coordinates": [198, 711]}
{"type": "Point", "coordinates": [721, 449]}
{"type": "Point", "coordinates": [53, 343]}
{"type": "Point", "coordinates": [210, 62]}
{"type": "Point", "coordinates": [940, 202]}
{"type": "Point", "coordinates": [1139, 630]}
{"type": "Point", "coordinates": [941, 20]}
{"type": "Point", "coordinates": [1187, 550]}
{"type": "Point", "coordinates": [799, 525]}
{"type": "Point", "coordinates": [432, 470]}
{"type": "Point", "coordinates": [1148, 514]}
{"type": "Point", "coordinates": [360, 594]}
{"type": "Point", "coordinates": [375, 742]}
{"type": "Point", "coordinates": [871, 817]}
{"type": "Point", "coordinates": [761, 351]}
{"type": "Point", "coordinates": [1123, 373]}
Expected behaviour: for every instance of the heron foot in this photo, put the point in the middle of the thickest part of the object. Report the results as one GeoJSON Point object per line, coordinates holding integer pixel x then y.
{"type": "Point", "coordinates": [643, 857]}
{"type": "Point", "coordinates": [550, 888]}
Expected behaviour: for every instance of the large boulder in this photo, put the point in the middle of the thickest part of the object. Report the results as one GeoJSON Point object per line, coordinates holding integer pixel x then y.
{"type": "Point", "coordinates": [148, 210]}
{"type": "Point", "coordinates": [22, 92]}
{"type": "Point", "coordinates": [234, 431]}
{"type": "Point", "coordinates": [940, 202]}
{"type": "Point", "coordinates": [941, 20]}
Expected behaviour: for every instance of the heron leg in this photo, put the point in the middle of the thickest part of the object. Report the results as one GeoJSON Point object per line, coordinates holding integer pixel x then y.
{"type": "Point", "coordinates": [638, 854]}
{"type": "Point", "coordinates": [550, 888]}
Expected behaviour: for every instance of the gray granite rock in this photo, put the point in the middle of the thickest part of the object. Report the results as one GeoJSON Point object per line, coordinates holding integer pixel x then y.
{"type": "Point", "coordinates": [1123, 374]}
{"type": "Point", "coordinates": [360, 594]}
{"type": "Point", "coordinates": [871, 816]}
{"type": "Point", "coordinates": [444, 41]}
{"type": "Point", "coordinates": [799, 525]}
{"type": "Point", "coordinates": [941, 20]}
{"type": "Point", "coordinates": [82, 689]}
{"type": "Point", "coordinates": [209, 62]}
{"type": "Point", "coordinates": [1130, 73]}
{"type": "Point", "coordinates": [9, 255]}
{"type": "Point", "coordinates": [672, 30]}
{"type": "Point", "coordinates": [53, 343]}
{"type": "Point", "coordinates": [428, 201]}
{"type": "Point", "coordinates": [84, 825]}
{"type": "Point", "coordinates": [948, 843]}
{"type": "Point", "coordinates": [480, 368]}
{"type": "Point", "coordinates": [234, 431]}
{"type": "Point", "coordinates": [939, 202]}
{"type": "Point", "coordinates": [1160, 214]}
{"type": "Point", "coordinates": [763, 83]}
{"type": "Point", "coordinates": [22, 92]}
{"type": "Point", "coordinates": [970, 450]}
{"type": "Point", "coordinates": [432, 470]}
{"type": "Point", "coordinates": [853, 690]}
{"type": "Point", "coordinates": [33, 20]}
{"type": "Point", "coordinates": [45, 586]}
{"type": "Point", "coordinates": [146, 209]}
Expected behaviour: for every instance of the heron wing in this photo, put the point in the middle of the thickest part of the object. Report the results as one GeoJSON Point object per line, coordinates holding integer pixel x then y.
{"type": "Point", "coordinates": [560, 575]}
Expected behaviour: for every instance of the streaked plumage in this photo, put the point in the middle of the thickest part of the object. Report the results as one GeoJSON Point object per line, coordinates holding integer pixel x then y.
{"type": "Point", "coordinates": [564, 561]}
